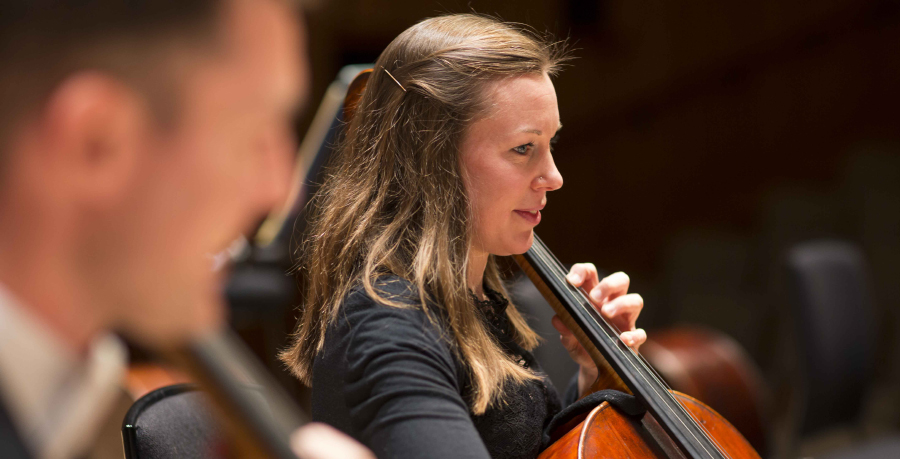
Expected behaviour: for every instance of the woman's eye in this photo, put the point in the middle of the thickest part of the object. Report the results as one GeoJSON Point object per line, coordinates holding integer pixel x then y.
{"type": "Point", "coordinates": [523, 149]}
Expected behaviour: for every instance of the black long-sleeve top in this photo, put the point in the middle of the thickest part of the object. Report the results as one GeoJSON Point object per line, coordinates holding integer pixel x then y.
{"type": "Point", "coordinates": [390, 378]}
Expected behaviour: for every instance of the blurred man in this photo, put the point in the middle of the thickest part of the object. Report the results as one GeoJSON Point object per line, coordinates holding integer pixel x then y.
{"type": "Point", "coordinates": [137, 138]}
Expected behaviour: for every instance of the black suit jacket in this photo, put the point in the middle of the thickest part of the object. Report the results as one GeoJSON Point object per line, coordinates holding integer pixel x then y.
{"type": "Point", "coordinates": [11, 444]}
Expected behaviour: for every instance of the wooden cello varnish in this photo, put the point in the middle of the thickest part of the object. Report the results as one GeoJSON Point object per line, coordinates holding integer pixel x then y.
{"type": "Point", "coordinates": [606, 432]}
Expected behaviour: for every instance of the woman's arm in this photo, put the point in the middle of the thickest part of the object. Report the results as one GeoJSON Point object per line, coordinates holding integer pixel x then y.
{"type": "Point", "coordinates": [402, 387]}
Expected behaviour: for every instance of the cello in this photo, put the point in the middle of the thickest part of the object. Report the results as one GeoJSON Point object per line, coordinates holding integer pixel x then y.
{"type": "Point", "coordinates": [675, 425]}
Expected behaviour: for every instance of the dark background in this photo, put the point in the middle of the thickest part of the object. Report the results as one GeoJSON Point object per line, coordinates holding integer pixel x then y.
{"type": "Point", "coordinates": [702, 139]}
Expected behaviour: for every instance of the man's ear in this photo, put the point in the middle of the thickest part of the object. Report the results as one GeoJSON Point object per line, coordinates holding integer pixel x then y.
{"type": "Point", "coordinates": [95, 129]}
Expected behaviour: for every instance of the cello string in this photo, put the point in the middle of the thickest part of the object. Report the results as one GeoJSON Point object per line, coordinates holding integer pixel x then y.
{"type": "Point", "coordinates": [560, 274]}
{"type": "Point", "coordinates": [549, 259]}
{"type": "Point", "coordinates": [681, 406]}
{"type": "Point", "coordinates": [646, 364]}
{"type": "Point", "coordinates": [559, 277]}
{"type": "Point", "coordinates": [662, 381]}
{"type": "Point", "coordinates": [578, 297]}
{"type": "Point", "coordinates": [635, 355]}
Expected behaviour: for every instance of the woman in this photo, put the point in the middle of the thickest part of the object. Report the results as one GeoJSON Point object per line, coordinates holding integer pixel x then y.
{"type": "Point", "coordinates": [406, 336]}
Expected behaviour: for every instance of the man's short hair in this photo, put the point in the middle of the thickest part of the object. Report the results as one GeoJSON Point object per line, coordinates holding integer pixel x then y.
{"type": "Point", "coordinates": [44, 41]}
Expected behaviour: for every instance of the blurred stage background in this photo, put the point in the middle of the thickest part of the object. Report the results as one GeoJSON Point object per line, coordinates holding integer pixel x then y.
{"type": "Point", "coordinates": [702, 141]}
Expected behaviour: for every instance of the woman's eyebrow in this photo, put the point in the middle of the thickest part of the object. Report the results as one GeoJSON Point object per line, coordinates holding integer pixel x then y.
{"type": "Point", "coordinates": [538, 131]}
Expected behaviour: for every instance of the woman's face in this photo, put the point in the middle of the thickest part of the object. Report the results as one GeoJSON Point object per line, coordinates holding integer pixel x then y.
{"type": "Point", "coordinates": [507, 165]}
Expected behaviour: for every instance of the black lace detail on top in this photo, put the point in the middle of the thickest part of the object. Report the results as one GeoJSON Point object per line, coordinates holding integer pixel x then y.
{"type": "Point", "coordinates": [508, 430]}
{"type": "Point", "coordinates": [493, 311]}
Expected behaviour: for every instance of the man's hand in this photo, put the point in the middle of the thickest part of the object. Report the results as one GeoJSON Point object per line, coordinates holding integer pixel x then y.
{"type": "Point", "coordinates": [320, 441]}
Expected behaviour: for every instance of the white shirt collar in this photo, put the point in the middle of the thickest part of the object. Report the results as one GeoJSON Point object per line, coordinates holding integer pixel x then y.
{"type": "Point", "coordinates": [56, 398]}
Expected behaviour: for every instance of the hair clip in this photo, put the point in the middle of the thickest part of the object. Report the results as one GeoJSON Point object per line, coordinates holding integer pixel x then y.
{"type": "Point", "coordinates": [395, 80]}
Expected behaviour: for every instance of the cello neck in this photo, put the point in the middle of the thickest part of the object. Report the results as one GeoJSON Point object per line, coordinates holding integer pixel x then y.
{"type": "Point", "coordinates": [620, 367]}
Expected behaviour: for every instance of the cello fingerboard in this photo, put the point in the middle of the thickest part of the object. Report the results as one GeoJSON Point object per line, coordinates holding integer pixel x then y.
{"type": "Point", "coordinates": [620, 367]}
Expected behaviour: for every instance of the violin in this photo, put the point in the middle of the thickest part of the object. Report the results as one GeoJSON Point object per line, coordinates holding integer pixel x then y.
{"type": "Point", "coordinates": [675, 425]}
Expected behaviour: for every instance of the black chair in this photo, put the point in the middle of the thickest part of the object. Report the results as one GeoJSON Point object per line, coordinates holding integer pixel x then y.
{"type": "Point", "coordinates": [835, 326]}
{"type": "Point", "coordinates": [172, 422]}
{"type": "Point", "coordinates": [835, 322]}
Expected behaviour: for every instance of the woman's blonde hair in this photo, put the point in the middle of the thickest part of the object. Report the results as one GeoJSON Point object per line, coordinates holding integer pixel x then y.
{"type": "Point", "coordinates": [394, 201]}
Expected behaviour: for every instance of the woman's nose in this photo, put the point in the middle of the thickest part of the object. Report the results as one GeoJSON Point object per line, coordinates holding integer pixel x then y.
{"type": "Point", "coordinates": [550, 178]}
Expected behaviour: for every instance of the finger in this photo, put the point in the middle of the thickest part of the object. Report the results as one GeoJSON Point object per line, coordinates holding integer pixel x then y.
{"type": "Point", "coordinates": [634, 338]}
{"type": "Point", "coordinates": [570, 343]}
{"type": "Point", "coordinates": [611, 287]}
{"type": "Point", "coordinates": [623, 311]}
{"type": "Point", "coordinates": [575, 350]}
{"type": "Point", "coordinates": [583, 275]}
{"type": "Point", "coordinates": [560, 326]}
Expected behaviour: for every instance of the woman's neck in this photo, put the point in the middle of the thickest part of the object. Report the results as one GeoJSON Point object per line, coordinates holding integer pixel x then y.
{"type": "Point", "coordinates": [475, 272]}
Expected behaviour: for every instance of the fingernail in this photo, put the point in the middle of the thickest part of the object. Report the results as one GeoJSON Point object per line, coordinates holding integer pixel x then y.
{"type": "Point", "coordinates": [574, 278]}
{"type": "Point", "coordinates": [595, 295]}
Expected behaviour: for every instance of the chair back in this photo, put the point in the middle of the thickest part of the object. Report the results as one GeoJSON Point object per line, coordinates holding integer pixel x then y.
{"type": "Point", "coordinates": [175, 421]}
{"type": "Point", "coordinates": [829, 291]}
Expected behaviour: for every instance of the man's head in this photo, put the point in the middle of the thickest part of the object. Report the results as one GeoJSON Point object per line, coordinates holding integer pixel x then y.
{"type": "Point", "coordinates": [143, 137]}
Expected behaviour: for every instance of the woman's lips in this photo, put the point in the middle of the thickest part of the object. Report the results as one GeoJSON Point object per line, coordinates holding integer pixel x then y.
{"type": "Point", "coordinates": [533, 218]}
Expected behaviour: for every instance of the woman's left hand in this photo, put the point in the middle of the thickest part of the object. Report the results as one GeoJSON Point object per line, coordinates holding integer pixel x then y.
{"type": "Point", "coordinates": [611, 298]}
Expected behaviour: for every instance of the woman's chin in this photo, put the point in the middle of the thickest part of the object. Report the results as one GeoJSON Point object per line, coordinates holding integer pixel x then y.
{"type": "Point", "coordinates": [507, 246]}
{"type": "Point", "coordinates": [522, 244]}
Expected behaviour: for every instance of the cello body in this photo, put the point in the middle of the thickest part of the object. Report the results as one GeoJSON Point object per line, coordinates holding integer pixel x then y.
{"type": "Point", "coordinates": [606, 432]}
